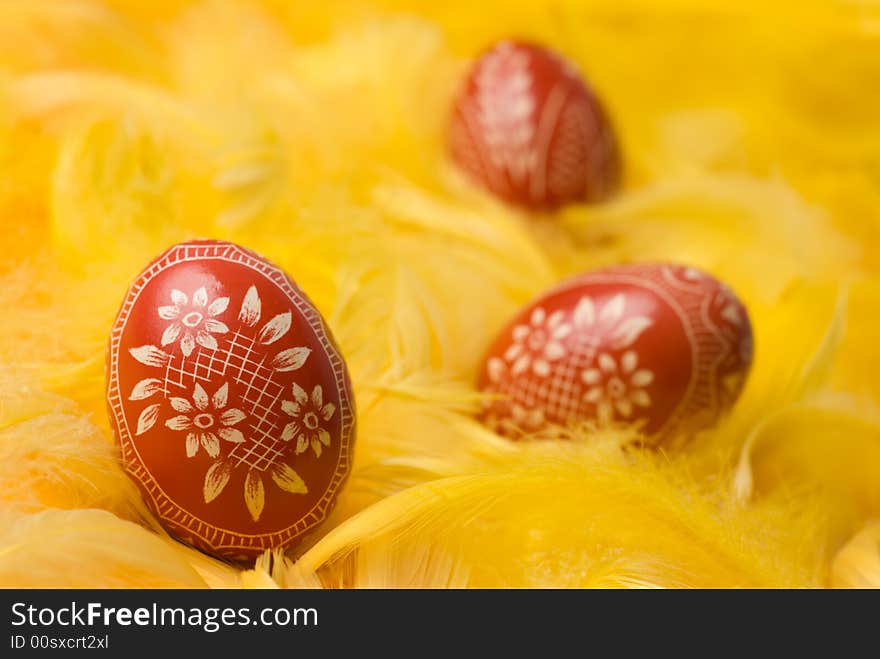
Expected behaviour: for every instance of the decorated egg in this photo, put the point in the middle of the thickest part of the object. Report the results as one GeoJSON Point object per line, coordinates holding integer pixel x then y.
{"type": "Point", "coordinates": [663, 347]}
{"type": "Point", "coordinates": [229, 399]}
{"type": "Point", "coordinates": [526, 126]}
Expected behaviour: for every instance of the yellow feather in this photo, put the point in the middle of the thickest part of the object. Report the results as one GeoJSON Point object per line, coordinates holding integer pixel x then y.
{"type": "Point", "coordinates": [87, 549]}
{"type": "Point", "coordinates": [825, 445]}
{"type": "Point", "coordinates": [857, 564]}
{"type": "Point", "coordinates": [566, 516]}
{"type": "Point", "coordinates": [315, 133]}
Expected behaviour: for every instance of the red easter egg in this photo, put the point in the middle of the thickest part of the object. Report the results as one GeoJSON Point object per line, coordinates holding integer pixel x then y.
{"type": "Point", "coordinates": [230, 400]}
{"type": "Point", "coordinates": [664, 347]}
{"type": "Point", "coordinates": [526, 126]}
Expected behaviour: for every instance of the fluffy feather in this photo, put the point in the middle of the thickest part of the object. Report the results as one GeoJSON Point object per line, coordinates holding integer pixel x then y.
{"type": "Point", "coordinates": [562, 515]}
{"type": "Point", "coordinates": [315, 134]}
{"type": "Point", "coordinates": [87, 548]}
{"type": "Point", "coordinates": [857, 565]}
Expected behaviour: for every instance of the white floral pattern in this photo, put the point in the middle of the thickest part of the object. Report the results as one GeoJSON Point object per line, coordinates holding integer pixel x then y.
{"type": "Point", "coordinates": [607, 325]}
{"type": "Point", "coordinates": [534, 345]}
{"type": "Point", "coordinates": [282, 474]}
{"type": "Point", "coordinates": [205, 420]}
{"type": "Point", "coordinates": [142, 377]}
{"type": "Point", "coordinates": [308, 413]}
{"type": "Point", "coordinates": [506, 107]}
{"type": "Point", "coordinates": [617, 388]}
{"type": "Point", "coordinates": [562, 359]}
{"type": "Point", "coordinates": [628, 321]}
{"type": "Point", "coordinates": [193, 321]}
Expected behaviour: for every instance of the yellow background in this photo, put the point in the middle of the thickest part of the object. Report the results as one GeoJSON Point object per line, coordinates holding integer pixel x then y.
{"type": "Point", "coordinates": [313, 132]}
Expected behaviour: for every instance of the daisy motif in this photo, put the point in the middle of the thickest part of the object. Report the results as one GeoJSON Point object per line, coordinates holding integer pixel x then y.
{"type": "Point", "coordinates": [617, 388]}
{"type": "Point", "coordinates": [537, 344]}
{"type": "Point", "coordinates": [309, 413]}
{"type": "Point", "coordinates": [204, 421]}
{"type": "Point", "coordinates": [193, 320]}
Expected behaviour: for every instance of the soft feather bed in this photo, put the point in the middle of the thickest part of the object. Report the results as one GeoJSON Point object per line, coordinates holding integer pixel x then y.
{"type": "Point", "coordinates": [314, 134]}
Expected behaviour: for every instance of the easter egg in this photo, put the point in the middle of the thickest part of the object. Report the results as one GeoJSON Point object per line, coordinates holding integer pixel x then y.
{"type": "Point", "coordinates": [229, 399]}
{"type": "Point", "coordinates": [527, 127]}
{"type": "Point", "coordinates": [662, 347]}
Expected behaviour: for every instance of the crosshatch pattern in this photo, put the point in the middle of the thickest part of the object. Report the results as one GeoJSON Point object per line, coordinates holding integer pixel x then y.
{"type": "Point", "coordinates": [558, 391]}
{"type": "Point", "coordinates": [563, 391]}
{"type": "Point", "coordinates": [260, 392]}
{"type": "Point", "coordinates": [259, 388]}
{"type": "Point", "coordinates": [528, 129]}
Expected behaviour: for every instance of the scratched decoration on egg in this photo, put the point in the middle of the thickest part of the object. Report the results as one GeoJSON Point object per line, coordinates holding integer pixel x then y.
{"type": "Point", "coordinates": [526, 126]}
{"type": "Point", "coordinates": [664, 347]}
{"type": "Point", "coordinates": [230, 400]}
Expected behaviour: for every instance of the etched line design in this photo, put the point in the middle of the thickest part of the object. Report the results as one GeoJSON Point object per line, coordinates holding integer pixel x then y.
{"type": "Point", "coordinates": [178, 374]}
{"type": "Point", "coordinates": [261, 393]}
{"type": "Point", "coordinates": [561, 396]}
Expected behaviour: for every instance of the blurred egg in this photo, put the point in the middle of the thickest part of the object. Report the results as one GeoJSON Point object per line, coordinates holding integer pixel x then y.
{"type": "Point", "coordinates": [230, 400]}
{"type": "Point", "coordinates": [664, 347]}
{"type": "Point", "coordinates": [526, 126]}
